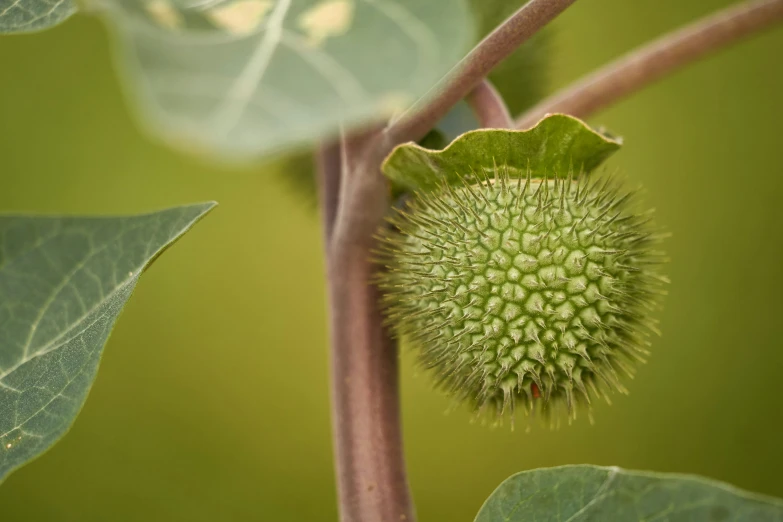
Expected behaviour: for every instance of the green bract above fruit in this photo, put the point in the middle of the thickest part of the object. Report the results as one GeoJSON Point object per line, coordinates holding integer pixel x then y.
{"type": "Point", "coordinates": [532, 290]}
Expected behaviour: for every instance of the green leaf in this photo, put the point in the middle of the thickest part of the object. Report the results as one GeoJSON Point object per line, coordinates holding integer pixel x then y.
{"type": "Point", "coordinates": [557, 145]}
{"type": "Point", "coordinates": [243, 78]}
{"type": "Point", "coordinates": [63, 283]}
{"type": "Point", "coordinates": [597, 494]}
{"type": "Point", "coordinates": [24, 16]}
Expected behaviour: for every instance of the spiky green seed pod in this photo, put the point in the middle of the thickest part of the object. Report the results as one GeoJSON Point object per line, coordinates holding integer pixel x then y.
{"type": "Point", "coordinates": [523, 290]}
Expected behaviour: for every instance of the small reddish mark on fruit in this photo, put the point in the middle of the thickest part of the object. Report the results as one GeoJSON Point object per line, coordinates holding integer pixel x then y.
{"type": "Point", "coordinates": [535, 390]}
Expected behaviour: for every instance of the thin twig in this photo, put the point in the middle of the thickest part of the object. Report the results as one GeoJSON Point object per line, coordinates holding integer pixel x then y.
{"type": "Point", "coordinates": [328, 173]}
{"type": "Point", "coordinates": [504, 40]}
{"type": "Point", "coordinates": [489, 107]}
{"type": "Point", "coordinates": [656, 59]}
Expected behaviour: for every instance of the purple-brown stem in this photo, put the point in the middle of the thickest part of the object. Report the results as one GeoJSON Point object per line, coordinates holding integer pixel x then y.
{"type": "Point", "coordinates": [371, 478]}
{"type": "Point", "coordinates": [488, 106]}
{"type": "Point", "coordinates": [328, 164]}
{"type": "Point", "coordinates": [499, 44]}
{"type": "Point", "coordinates": [657, 59]}
{"type": "Point", "coordinates": [371, 475]}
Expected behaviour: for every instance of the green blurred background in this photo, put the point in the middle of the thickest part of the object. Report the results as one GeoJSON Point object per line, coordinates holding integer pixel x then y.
{"type": "Point", "coordinates": [212, 403]}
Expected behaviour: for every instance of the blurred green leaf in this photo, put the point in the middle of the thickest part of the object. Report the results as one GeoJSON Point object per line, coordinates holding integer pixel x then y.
{"type": "Point", "coordinates": [521, 77]}
{"type": "Point", "coordinates": [63, 283]}
{"type": "Point", "coordinates": [459, 120]}
{"type": "Point", "coordinates": [557, 145]}
{"type": "Point", "coordinates": [591, 493]}
{"type": "Point", "coordinates": [23, 16]}
{"type": "Point", "coordinates": [243, 78]}
{"type": "Point", "coordinates": [297, 173]}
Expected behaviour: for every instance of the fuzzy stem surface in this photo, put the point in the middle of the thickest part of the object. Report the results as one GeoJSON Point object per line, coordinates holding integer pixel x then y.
{"type": "Point", "coordinates": [370, 465]}
{"type": "Point", "coordinates": [654, 60]}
